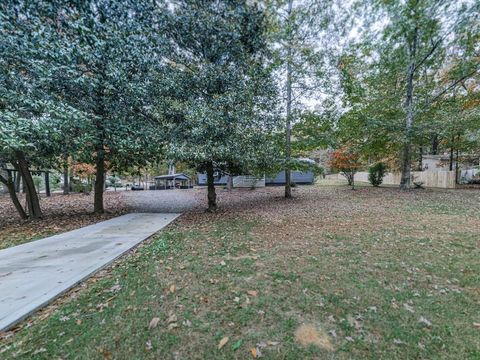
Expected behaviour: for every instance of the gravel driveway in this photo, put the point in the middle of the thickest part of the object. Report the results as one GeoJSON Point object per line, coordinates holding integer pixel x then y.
{"type": "Point", "coordinates": [162, 201]}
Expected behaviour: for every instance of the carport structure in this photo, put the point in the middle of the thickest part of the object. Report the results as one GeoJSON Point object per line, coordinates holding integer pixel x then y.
{"type": "Point", "coordinates": [172, 181]}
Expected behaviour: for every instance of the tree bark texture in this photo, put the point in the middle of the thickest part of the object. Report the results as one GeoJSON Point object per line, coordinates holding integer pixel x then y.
{"type": "Point", "coordinates": [405, 181]}
{"type": "Point", "coordinates": [212, 196]}
{"type": "Point", "coordinates": [288, 140]}
{"type": "Point", "coordinates": [66, 185]}
{"type": "Point", "coordinates": [99, 183]}
{"type": "Point", "coordinates": [10, 185]}
{"type": "Point", "coordinates": [33, 202]}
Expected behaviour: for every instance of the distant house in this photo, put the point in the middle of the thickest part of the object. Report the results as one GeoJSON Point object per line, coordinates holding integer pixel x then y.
{"type": "Point", "coordinates": [219, 179]}
{"type": "Point", "coordinates": [238, 181]}
{"type": "Point", "coordinates": [298, 177]}
{"type": "Point", "coordinates": [468, 166]}
{"type": "Point", "coordinates": [306, 177]}
{"type": "Point", "coordinates": [437, 163]}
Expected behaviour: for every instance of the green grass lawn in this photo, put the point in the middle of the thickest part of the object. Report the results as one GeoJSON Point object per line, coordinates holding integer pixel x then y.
{"type": "Point", "coordinates": [334, 273]}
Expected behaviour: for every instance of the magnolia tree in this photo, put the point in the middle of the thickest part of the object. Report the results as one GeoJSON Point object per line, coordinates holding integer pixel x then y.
{"type": "Point", "coordinates": [347, 161]}
{"type": "Point", "coordinates": [29, 140]}
{"type": "Point", "coordinates": [116, 55]}
{"type": "Point", "coordinates": [16, 149]}
{"type": "Point", "coordinates": [87, 67]}
{"type": "Point", "coordinates": [219, 88]}
{"type": "Point", "coordinates": [29, 136]}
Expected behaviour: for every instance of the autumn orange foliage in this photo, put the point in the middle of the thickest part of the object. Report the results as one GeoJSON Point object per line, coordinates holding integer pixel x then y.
{"type": "Point", "coordinates": [347, 161]}
{"type": "Point", "coordinates": [82, 170]}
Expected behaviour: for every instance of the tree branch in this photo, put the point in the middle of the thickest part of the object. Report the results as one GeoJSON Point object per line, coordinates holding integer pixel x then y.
{"type": "Point", "coordinates": [452, 85]}
{"type": "Point", "coordinates": [428, 54]}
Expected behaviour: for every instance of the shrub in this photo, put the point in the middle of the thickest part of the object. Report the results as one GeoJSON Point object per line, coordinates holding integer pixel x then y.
{"type": "Point", "coordinates": [376, 173]}
{"type": "Point", "coordinates": [82, 188]}
{"type": "Point", "coordinates": [38, 182]}
{"type": "Point", "coordinates": [318, 171]}
{"type": "Point", "coordinates": [113, 181]}
{"type": "Point", "coordinates": [55, 181]}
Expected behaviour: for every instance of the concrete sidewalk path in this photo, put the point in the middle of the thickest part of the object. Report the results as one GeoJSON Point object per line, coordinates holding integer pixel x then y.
{"type": "Point", "coordinates": [35, 273]}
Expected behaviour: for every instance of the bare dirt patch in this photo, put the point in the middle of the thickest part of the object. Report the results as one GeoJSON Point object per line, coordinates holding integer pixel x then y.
{"type": "Point", "coordinates": [307, 334]}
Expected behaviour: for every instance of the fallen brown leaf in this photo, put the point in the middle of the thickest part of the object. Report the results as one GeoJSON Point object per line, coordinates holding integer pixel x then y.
{"type": "Point", "coordinates": [172, 318]}
{"type": "Point", "coordinates": [172, 326]}
{"type": "Point", "coordinates": [222, 342]}
{"type": "Point", "coordinates": [153, 323]}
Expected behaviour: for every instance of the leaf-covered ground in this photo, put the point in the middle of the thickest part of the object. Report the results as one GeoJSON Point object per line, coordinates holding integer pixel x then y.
{"type": "Point", "coordinates": [61, 213]}
{"type": "Point", "coordinates": [333, 273]}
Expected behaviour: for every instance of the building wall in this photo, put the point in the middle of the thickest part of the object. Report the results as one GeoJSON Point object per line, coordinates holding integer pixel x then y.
{"type": "Point", "coordinates": [298, 177]}
{"type": "Point", "coordinates": [436, 163]}
{"type": "Point", "coordinates": [202, 180]}
{"type": "Point", "coordinates": [466, 175]}
{"type": "Point", "coordinates": [246, 181]}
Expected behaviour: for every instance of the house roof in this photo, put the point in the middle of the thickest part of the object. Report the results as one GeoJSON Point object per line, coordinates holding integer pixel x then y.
{"type": "Point", "coordinates": [179, 176]}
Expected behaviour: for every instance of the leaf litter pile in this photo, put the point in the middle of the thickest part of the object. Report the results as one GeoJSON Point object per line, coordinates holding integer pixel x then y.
{"type": "Point", "coordinates": [332, 273]}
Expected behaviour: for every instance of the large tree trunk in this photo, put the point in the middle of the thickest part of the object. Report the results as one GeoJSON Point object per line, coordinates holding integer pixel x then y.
{"type": "Point", "coordinates": [434, 144]}
{"type": "Point", "coordinates": [457, 180]}
{"type": "Point", "coordinates": [99, 183]}
{"type": "Point", "coordinates": [10, 185]}
{"type": "Point", "coordinates": [66, 185]}
{"type": "Point", "coordinates": [13, 195]}
{"type": "Point", "coordinates": [212, 195]}
{"type": "Point", "coordinates": [350, 176]}
{"type": "Point", "coordinates": [229, 182]}
{"type": "Point", "coordinates": [33, 202]}
{"type": "Point", "coordinates": [100, 149]}
{"type": "Point", "coordinates": [288, 145]}
{"type": "Point", "coordinates": [406, 156]}
{"type": "Point", "coordinates": [17, 181]}
{"type": "Point", "coordinates": [407, 146]}
{"type": "Point", "coordinates": [420, 159]}
{"type": "Point", "coordinates": [47, 184]}
{"type": "Point", "coordinates": [451, 153]}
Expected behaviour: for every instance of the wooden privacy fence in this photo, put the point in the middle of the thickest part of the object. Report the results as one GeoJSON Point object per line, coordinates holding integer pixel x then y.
{"type": "Point", "coordinates": [435, 179]}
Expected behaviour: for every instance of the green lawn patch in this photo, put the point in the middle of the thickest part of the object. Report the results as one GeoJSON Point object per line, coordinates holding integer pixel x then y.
{"type": "Point", "coordinates": [367, 282]}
